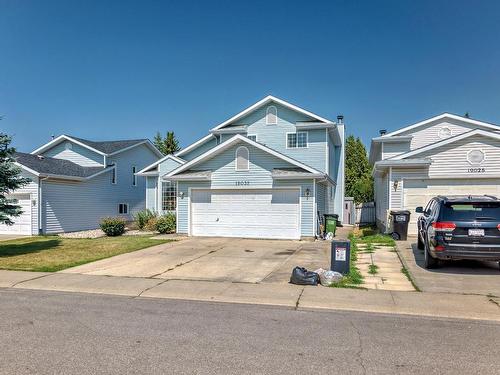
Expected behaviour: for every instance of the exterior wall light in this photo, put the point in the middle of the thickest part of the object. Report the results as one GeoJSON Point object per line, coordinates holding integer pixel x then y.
{"type": "Point", "coordinates": [308, 192]}
{"type": "Point", "coordinates": [395, 185]}
{"type": "Point", "coordinates": [181, 194]}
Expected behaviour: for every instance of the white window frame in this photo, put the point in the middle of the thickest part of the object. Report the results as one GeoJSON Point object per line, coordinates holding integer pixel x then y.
{"type": "Point", "coordinates": [253, 135]}
{"type": "Point", "coordinates": [443, 128]}
{"type": "Point", "coordinates": [236, 159]}
{"type": "Point", "coordinates": [134, 176]}
{"type": "Point", "coordinates": [296, 140]}
{"type": "Point", "coordinates": [476, 149]}
{"type": "Point", "coordinates": [175, 192]}
{"type": "Point", "coordinates": [125, 206]}
{"type": "Point", "coordinates": [268, 109]}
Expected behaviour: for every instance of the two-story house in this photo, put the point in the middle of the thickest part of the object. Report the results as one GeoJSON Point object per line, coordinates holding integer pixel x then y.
{"type": "Point", "coordinates": [76, 182]}
{"type": "Point", "coordinates": [270, 171]}
{"type": "Point", "coordinates": [444, 155]}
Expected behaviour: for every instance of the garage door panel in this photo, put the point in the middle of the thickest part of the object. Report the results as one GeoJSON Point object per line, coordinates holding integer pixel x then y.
{"type": "Point", "coordinates": [420, 192]}
{"type": "Point", "coordinates": [22, 223]}
{"type": "Point", "coordinates": [263, 213]}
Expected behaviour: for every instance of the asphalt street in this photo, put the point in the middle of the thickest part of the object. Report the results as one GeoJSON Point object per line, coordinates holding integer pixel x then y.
{"type": "Point", "coordinates": [70, 333]}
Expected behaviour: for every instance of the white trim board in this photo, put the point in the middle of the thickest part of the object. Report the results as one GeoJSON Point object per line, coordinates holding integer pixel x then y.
{"type": "Point", "coordinates": [239, 138]}
{"type": "Point", "coordinates": [266, 100]}
{"type": "Point", "coordinates": [459, 137]}
{"type": "Point", "coordinates": [194, 145]}
{"type": "Point", "coordinates": [173, 157]}
{"type": "Point", "coordinates": [440, 117]}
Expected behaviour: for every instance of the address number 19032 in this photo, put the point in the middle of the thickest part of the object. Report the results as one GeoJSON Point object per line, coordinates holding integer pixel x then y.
{"type": "Point", "coordinates": [242, 183]}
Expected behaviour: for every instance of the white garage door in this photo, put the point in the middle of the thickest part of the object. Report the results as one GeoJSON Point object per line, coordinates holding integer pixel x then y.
{"type": "Point", "coordinates": [22, 224]}
{"type": "Point", "coordinates": [262, 213]}
{"type": "Point", "coordinates": [420, 192]}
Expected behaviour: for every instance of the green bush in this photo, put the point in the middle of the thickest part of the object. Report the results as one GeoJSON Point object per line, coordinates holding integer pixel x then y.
{"type": "Point", "coordinates": [142, 217]}
{"type": "Point", "coordinates": [166, 223]}
{"type": "Point", "coordinates": [113, 226]}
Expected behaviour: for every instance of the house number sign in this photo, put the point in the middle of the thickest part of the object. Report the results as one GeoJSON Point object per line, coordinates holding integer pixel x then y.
{"type": "Point", "coordinates": [476, 170]}
{"type": "Point", "coordinates": [242, 183]}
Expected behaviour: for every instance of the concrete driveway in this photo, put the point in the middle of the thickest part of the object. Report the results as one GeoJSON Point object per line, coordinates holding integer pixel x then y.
{"type": "Point", "coordinates": [215, 259]}
{"type": "Point", "coordinates": [466, 277]}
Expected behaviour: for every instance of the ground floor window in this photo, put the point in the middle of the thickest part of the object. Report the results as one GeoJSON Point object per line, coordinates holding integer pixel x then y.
{"type": "Point", "coordinates": [169, 196]}
{"type": "Point", "coordinates": [123, 208]}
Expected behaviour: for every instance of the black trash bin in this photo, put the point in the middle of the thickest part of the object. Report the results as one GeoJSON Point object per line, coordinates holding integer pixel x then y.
{"type": "Point", "coordinates": [400, 220]}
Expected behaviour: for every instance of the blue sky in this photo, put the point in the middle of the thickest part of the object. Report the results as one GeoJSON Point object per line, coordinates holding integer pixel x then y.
{"type": "Point", "coordinates": [125, 69]}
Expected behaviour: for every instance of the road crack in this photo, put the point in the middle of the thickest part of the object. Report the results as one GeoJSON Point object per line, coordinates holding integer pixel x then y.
{"type": "Point", "coordinates": [186, 262]}
{"type": "Point", "coordinates": [359, 353]}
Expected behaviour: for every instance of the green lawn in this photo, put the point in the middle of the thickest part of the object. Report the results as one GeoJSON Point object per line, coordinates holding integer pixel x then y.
{"type": "Point", "coordinates": [53, 253]}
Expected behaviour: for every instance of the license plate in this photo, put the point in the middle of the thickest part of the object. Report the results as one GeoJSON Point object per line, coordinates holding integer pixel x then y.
{"type": "Point", "coordinates": [476, 232]}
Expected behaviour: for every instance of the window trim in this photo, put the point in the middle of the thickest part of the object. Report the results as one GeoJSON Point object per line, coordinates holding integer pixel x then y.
{"type": "Point", "coordinates": [296, 140]}
{"type": "Point", "coordinates": [275, 115]}
{"type": "Point", "coordinates": [134, 176]}
{"type": "Point", "coordinates": [125, 205]}
{"type": "Point", "coordinates": [236, 159]}
{"type": "Point", "coordinates": [174, 195]}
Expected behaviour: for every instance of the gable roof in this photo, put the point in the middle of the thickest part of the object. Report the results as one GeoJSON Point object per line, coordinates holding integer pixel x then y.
{"type": "Point", "coordinates": [100, 147]}
{"type": "Point", "coordinates": [156, 163]}
{"type": "Point", "coordinates": [52, 167]}
{"type": "Point", "coordinates": [194, 145]}
{"type": "Point", "coordinates": [441, 117]}
{"type": "Point", "coordinates": [446, 141]}
{"type": "Point", "coordinates": [236, 139]}
{"type": "Point", "coordinates": [266, 100]}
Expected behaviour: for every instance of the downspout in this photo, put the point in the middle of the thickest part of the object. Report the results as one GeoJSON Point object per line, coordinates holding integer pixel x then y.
{"type": "Point", "coordinates": [40, 206]}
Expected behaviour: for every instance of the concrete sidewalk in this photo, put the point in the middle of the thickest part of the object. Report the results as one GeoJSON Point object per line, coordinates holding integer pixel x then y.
{"type": "Point", "coordinates": [442, 305]}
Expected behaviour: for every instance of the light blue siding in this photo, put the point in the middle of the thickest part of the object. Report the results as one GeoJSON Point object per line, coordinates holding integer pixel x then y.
{"type": "Point", "coordinates": [151, 192]}
{"type": "Point", "coordinates": [77, 154]}
{"type": "Point", "coordinates": [274, 136]}
{"type": "Point", "coordinates": [167, 166]}
{"type": "Point", "coordinates": [208, 145]}
{"type": "Point", "coordinates": [73, 206]}
{"type": "Point", "coordinates": [259, 173]}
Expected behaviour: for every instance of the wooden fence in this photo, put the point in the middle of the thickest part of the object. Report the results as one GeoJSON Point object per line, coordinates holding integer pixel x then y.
{"type": "Point", "coordinates": [365, 213]}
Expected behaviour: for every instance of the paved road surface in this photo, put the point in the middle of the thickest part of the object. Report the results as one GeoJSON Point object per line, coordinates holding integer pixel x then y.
{"type": "Point", "coordinates": [50, 332]}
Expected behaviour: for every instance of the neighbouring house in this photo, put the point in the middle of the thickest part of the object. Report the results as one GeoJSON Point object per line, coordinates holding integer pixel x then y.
{"type": "Point", "coordinates": [444, 155]}
{"type": "Point", "coordinates": [270, 171]}
{"type": "Point", "coordinates": [76, 182]}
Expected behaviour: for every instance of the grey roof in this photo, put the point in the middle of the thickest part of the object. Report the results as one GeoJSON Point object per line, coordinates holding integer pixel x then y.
{"type": "Point", "coordinates": [108, 147]}
{"type": "Point", "coordinates": [52, 166]}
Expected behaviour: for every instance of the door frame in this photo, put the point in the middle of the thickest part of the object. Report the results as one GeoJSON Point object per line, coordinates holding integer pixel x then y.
{"type": "Point", "coordinates": [244, 188]}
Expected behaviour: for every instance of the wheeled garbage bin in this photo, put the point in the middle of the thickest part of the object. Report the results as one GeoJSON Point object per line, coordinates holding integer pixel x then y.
{"type": "Point", "coordinates": [400, 220]}
{"type": "Point", "coordinates": [331, 223]}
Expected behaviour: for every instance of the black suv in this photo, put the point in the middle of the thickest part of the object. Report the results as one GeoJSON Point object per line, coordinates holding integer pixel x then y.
{"type": "Point", "coordinates": [459, 227]}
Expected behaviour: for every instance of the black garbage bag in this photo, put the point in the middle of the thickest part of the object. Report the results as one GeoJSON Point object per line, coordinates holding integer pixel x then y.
{"type": "Point", "coordinates": [301, 276]}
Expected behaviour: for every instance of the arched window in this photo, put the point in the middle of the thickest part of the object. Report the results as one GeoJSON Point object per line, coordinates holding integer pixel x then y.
{"type": "Point", "coordinates": [271, 115]}
{"type": "Point", "coordinates": [241, 159]}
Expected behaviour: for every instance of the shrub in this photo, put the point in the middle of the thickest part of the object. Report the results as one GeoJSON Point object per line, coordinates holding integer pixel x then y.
{"type": "Point", "coordinates": [166, 223]}
{"type": "Point", "coordinates": [113, 226]}
{"type": "Point", "coordinates": [151, 224]}
{"type": "Point", "coordinates": [142, 217]}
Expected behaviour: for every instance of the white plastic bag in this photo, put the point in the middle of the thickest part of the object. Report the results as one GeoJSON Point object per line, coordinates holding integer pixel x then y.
{"type": "Point", "coordinates": [327, 278]}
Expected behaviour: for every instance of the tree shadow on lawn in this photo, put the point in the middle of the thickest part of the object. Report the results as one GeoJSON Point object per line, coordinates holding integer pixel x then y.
{"type": "Point", "coordinates": [8, 250]}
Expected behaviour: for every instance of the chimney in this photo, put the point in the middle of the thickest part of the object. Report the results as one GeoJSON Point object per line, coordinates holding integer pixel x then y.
{"type": "Point", "coordinates": [340, 119]}
{"type": "Point", "coordinates": [382, 131]}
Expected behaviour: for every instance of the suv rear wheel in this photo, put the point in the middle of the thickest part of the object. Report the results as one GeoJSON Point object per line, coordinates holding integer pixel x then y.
{"type": "Point", "coordinates": [429, 261]}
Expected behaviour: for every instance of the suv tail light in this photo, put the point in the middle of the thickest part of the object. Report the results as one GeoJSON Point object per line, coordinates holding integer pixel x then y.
{"type": "Point", "coordinates": [445, 226]}
{"type": "Point", "coordinates": [498, 226]}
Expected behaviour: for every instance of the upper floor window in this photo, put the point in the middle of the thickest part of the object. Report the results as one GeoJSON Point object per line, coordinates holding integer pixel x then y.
{"type": "Point", "coordinates": [242, 155]}
{"type": "Point", "coordinates": [253, 137]}
{"type": "Point", "coordinates": [271, 115]}
{"type": "Point", "coordinates": [296, 140]}
{"type": "Point", "coordinates": [134, 177]}
{"type": "Point", "coordinates": [68, 146]}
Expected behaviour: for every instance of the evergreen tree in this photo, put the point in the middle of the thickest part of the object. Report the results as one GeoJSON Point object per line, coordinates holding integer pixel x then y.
{"type": "Point", "coordinates": [167, 145]}
{"type": "Point", "coordinates": [358, 178]}
{"type": "Point", "coordinates": [10, 180]}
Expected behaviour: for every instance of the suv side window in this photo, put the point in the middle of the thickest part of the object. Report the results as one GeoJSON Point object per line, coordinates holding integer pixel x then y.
{"type": "Point", "coordinates": [427, 209]}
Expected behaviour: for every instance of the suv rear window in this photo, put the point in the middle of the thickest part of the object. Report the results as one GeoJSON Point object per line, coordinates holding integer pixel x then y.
{"type": "Point", "coordinates": [465, 211]}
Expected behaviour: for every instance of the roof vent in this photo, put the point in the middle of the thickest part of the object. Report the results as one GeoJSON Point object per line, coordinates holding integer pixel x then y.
{"type": "Point", "coordinates": [382, 131]}
{"type": "Point", "coordinates": [340, 119]}
{"type": "Point", "coordinates": [41, 157]}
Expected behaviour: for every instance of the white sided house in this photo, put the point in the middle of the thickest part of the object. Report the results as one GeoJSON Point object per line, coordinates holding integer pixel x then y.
{"type": "Point", "coordinates": [76, 182]}
{"type": "Point", "coordinates": [444, 155]}
{"type": "Point", "coordinates": [270, 171]}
